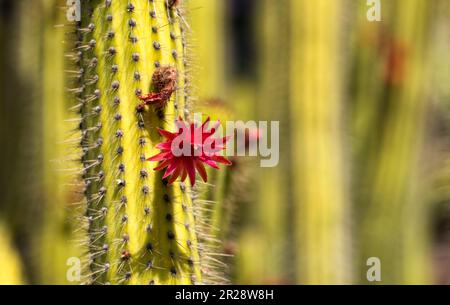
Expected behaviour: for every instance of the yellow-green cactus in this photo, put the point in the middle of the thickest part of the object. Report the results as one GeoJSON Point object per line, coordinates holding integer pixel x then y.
{"type": "Point", "coordinates": [393, 228]}
{"type": "Point", "coordinates": [140, 230]}
{"type": "Point", "coordinates": [207, 21]}
{"type": "Point", "coordinates": [274, 202]}
{"type": "Point", "coordinates": [320, 186]}
{"type": "Point", "coordinates": [10, 263]}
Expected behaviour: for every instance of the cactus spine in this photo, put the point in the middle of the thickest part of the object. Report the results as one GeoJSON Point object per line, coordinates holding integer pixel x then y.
{"type": "Point", "coordinates": [140, 231]}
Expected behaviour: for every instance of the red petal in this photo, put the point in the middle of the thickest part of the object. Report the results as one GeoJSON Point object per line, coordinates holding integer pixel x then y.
{"type": "Point", "coordinates": [221, 159]}
{"type": "Point", "coordinates": [164, 146]}
{"type": "Point", "coordinates": [201, 170]}
{"type": "Point", "coordinates": [189, 165]}
{"type": "Point", "coordinates": [159, 157]}
{"type": "Point", "coordinates": [210, 163]}
{"type": "Point", "coordinates": [175, 175]}
{"type": "Point", "coordinates": [166, 134]}
{"type": "Point", "coordinates": [162, 165]}
{"type": "Point", "coordinates": [183, 174]}
{"type": "Point", "coordinates": [171, 168]}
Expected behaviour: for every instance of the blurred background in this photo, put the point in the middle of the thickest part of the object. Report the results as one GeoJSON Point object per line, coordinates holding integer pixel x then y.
{"type": "Point", "coordinates": [364, 112]}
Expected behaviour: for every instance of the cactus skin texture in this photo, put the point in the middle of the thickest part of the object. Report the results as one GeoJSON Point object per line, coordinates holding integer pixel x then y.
{"type": "Point", "coordinates": [140, 230]}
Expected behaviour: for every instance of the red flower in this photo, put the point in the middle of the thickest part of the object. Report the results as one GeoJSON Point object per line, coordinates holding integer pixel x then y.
{"type": "Point", "coordinates": [188, 150]}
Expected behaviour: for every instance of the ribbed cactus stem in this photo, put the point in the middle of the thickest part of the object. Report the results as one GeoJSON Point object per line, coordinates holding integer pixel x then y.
{"type": "Point", "coordinates": [140, 230]}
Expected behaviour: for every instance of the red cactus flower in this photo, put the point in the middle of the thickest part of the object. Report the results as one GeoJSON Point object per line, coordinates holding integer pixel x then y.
{"type": "Point", "coordinates": [187, 150]}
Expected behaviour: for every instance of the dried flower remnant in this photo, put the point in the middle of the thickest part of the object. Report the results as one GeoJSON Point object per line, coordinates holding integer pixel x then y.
{"type": "Point", "coordinates": [164, 82]}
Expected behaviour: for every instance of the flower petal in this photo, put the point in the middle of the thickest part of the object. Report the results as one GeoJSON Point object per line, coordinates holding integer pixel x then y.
{"type": "Point", "coordinates": [201, 170]}
{"type": "Point", "coordinates": [162, 165]}
{"type": "Point", "coordinates": [189, 165]}
{"type": "Point", "coordinates": [183, 174]}
{"type": "Point", "coordinates": [159, 157]}
{"type": "Point", "coordinates": [175, 175]}
{"type": "Point", "coordinates": [171, 168]}
{"type": "Point", "coordinates": [221, 159]}
{"type": "Point", "coordinates": [210, 163]}
{"type": "Point", "coordinates": [164, 146]}
{"type": "Point", "coordinates": [167, 134]}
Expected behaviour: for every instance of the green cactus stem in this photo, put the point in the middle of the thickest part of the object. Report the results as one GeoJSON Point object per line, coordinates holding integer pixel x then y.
{"type": "Point", "coordinates": [140, 230]}
{"type": "Point", "coordinates": [273, 213]}
{"type": "Point", "coordinates": [10, 262]}
{"type": "Point", "coordinates": [320, 189]}
{"type": "Point", "coordinates": [393, 226]}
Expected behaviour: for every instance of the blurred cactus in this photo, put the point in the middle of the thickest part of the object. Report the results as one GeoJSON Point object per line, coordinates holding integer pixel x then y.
{"type": "Point", "coordinates": [140, 230]}
{"type": "Point", "coordinates": [10, 263]}
{"type": "Point", "coordinates": [308, 190]}
{"type": "Point", "coordinates": [393, 199]}
{"type": "Point", "coordinates": [319, 67]}
{"type": "Point", "coordinates": [272, 215]}
{"type": "Point", "coordinates": [207, 23]}
{"type": "Point", "coordinates": [56, 238]}
{"type": "Point", "coordinates": [35, 200]}
{"type": "Point", "coordinates": [21, 82]}
{"type": "Point", "coordinates": [218, 202]}
{"type": "Point", "coordinates": [320, 187]}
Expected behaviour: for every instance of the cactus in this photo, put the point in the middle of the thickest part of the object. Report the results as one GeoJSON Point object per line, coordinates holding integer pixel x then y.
{"type": "Point", "coordinates": [393, 228]}
{"type": "Point", "coordinates": [141, 231]}
{"type": "Point", "coordinates": [10, 262]}
{"type": "Point", "coordinates": [302, 212]}
{"type": "Point", "coordinates": [218, 201]}
{"type": "Point", "coordinates": [273, 213]}
{"type": "Point", "coordinates": [21, 202]}
{"type": "Point", "coordinates": [54, 242]}
{"type": "Point", "coordinates": [207, 21]}
{"type": "Point", "coordinates": [274, 208]}
{"type": "Point", "coordinates": [320, 189]}
{"type": "Point", "coordinates": [36, 200]}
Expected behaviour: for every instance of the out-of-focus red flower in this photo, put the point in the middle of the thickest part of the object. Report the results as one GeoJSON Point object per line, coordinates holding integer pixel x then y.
{"type": "Point", "coordinates": [188, 150]}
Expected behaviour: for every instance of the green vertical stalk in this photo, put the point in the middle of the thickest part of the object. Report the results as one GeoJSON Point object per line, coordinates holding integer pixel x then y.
{"type": "Point", "coordinates": [394, 228]}
{"type": "Point", "coordinates": [21, 92]}
{"type": "Point", "coordinates": [268, 227]}
{"type": "Point", "coordinates": [10, 262]}
{"type": "Point", "coordinates": [207, 26]}
{"type": "Point", "coordinates": [320, 190]}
